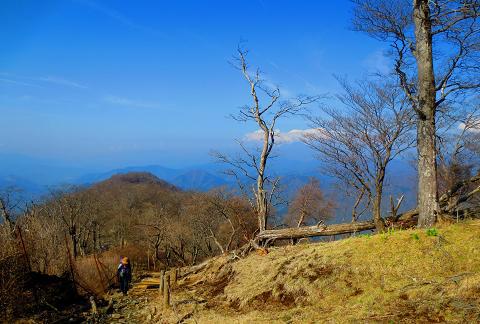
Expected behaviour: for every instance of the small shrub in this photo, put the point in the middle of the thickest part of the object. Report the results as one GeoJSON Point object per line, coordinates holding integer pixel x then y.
{"type": "Point", "coordinates": [391, 230]}
{"type": "Point", "coordinates": [415, 236]}
{"type": "Point", "coordinates": [432, 232]}
{"type": "Point", "coordinates": [365, 235]}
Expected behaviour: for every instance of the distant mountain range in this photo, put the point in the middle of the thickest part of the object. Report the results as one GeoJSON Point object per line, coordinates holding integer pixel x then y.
{"type": "Point", "coordinates": [186, 179]}
{"type": "Point", "coordinates": [34, 177]}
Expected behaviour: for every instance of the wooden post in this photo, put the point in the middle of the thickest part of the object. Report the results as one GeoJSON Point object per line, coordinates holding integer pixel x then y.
{"type": "Point", "coordinates": [166, 291]}
{"type": "Point", "coordinates": [162, 278]}
{"type": "Point", "coordinates": [174, 277]}
{"type": "Point", "coordinates": [71, 265]}
{"type": "Point", "coordinates": [109, 308]}
{"type": "Point", "coordinates": [25, 254]}
{"type": "Point", "coordinates": [94, 307]}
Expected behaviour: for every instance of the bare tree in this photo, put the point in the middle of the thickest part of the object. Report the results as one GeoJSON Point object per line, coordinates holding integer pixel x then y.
{"type": "Point", "coordinates": [70, 206]}
{"type": "Point", "coordinates": [435, 46]}
{"type": "Point", "coordinates": [359, 140]}
{"type": "Point", "coordinates": [457, 141]}
{"type": "Point", "coordinates": [152, 221]}
{"type": "Point", "coordinates": [265, 111]}
{"type": "Point", "coordinates": [458, 154]}
{"type": "Point", "coordinates": [10, 205]}
{"type": "Point", "coordinates": [310, 205]}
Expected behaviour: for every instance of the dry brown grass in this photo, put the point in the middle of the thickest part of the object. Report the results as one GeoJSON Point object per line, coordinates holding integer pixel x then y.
{"type": "Point", "coordinates": [404, 276]}
{"type": "Point", "coordinates": [96, 274]}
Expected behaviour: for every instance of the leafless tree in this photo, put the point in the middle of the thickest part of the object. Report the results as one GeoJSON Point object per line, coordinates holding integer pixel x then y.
{"type": "Point", "coordinates": [266, 109]}
{"type": "Point", "coordinates": [219, 221]}
{"type": "Point", "coordinates": [10, 206]}
{"type": "Point", "coordinates": [358, 140]}
{"type": "Point", "coordinates": [458, 154]}
{"type": "Point", "coordinates": [152, 221]}
{"type": "Point", "coordinates": [457, 135]}
{"type": "Point", "coordinates": [71, 207]}
{"type": "Point", "coordinates": [310, 205]}
{"type": "Point", "coordinates": [435, 46]}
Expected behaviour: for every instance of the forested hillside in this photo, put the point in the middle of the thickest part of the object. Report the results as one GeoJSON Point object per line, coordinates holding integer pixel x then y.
{"type": "Point", "coordinates": [137, 214]}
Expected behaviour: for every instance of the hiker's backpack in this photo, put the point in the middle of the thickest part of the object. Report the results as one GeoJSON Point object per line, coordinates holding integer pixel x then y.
{"type": "Point", "coordinates": [124, 271]}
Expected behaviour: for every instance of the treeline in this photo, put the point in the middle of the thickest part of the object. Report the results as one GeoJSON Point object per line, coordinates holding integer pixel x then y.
{"type": "Point", "coordinates": [168, 227]}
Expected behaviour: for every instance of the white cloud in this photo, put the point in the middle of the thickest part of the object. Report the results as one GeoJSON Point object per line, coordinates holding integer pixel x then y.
{"type": "Point", "coordinates": [473, 126]}
{"type": "Point", "coordinates": [16, 82]}
{"type": "Point", "coordinates": [129, 102]}
{"type": "Point", "coordinates": [60, 81]}
{"type": "Point", "coordinates": [34, 80]}
{"type": "Point", "coordinates": [294, 135]}
{"type": "Point", "coordinates": [275, 65]}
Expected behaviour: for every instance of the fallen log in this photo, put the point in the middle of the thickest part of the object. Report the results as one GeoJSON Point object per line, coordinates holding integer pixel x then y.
{"type": "Point", "coordinates": [185, 271]}
{"type": "Point", "coordinates": [457, 187]}
{"type": "Point", "coordinates": [453, 203]}
{"type": "Point", "coordinates": [406, 216]}
{"type": "Point", "coordinates": [327, 230]}
{"type": "Point", "coordinates": [311, 231]}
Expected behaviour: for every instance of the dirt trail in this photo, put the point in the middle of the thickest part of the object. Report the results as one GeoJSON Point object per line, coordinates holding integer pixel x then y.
{"type": "Point", "coordinates": [143, 304]}
{"type": "Point", "coordinates": [139, 306]}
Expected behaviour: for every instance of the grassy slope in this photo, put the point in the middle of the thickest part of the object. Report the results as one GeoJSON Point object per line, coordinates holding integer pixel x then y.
{"type": "Point", "coordinates": [402, 276]}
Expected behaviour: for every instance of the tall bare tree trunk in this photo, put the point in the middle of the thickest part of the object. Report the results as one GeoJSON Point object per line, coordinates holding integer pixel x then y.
{"type": "Point", "coordinates": [75, 246]}
{"type": "Point", "coordinates": [262, 201]}
{"type": "Point", "coordinates": [262, 208]}
{"type": "Point", "coordinates": [427, 173]}
{"type": "Point", "coordinates": [427, 165]}
{"type": "Point", "coordinates": [377, 212]}
{"type": "Point", "coordinates": [377, 199]}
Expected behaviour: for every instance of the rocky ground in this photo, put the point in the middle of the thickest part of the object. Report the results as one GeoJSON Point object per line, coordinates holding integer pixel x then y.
{"type": "Point", "coordinates": [142, 304]}
{"type": "Point", "coordinates": [139, 306]}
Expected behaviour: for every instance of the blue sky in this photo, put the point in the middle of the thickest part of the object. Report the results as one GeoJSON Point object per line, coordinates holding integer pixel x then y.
{"type": "Point", "coordinates": [117, 83]}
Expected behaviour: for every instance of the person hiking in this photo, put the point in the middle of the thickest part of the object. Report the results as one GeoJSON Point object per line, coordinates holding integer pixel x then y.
{"type": "Point", "coordinates": [124, 274]}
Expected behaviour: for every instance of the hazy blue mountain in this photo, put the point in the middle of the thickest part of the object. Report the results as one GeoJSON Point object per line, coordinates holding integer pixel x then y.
{"type": "Point", "coordinates": [159, 171]}
{"type": "Point", "coordinates": [186, 179]}
{"type": "Point", "coordinates": [25, 189]}
{"type": "Point", "coordinates": [199, 180]}
{"type": "Point", "coordinates": [40, 171]}
{"type": "Point", "coordinates": [206, 176]}
{"type": "Point", "coordinates": [133, 178]}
